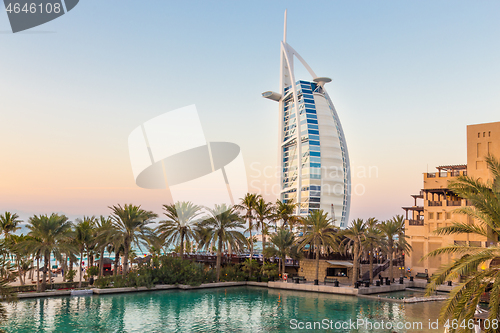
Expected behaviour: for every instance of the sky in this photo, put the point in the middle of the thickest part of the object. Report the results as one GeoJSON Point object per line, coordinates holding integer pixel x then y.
{"type": "Point", "coordinates": [408, 77]}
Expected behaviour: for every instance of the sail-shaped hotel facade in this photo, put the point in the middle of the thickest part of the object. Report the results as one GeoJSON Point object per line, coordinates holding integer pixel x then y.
{"type": "Point", "coordinates": [315, 169]}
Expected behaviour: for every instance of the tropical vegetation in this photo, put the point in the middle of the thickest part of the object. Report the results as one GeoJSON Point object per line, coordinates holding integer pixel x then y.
{"type": "Point", "coordinates": [109, 245]}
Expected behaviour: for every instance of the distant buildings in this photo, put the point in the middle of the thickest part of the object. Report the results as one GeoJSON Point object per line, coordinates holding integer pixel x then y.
{"type": "Point", "coordinates": [433, 206]}
{"type": "Point", "coordinates": [315, 171]}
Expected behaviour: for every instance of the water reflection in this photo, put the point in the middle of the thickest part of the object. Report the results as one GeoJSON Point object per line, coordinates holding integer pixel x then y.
{"type": "Point", "coordinates": [215, 310]}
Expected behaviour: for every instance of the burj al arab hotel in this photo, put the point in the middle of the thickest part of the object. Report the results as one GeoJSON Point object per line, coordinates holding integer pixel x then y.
{"type": "Point", "coordinates": [315, 170]}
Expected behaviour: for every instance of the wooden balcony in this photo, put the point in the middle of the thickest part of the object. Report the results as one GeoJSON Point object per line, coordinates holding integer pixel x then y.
{"type": "Point", "coordinates": [416, 222]}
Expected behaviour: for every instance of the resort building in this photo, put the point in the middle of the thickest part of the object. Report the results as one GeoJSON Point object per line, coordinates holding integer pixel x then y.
{"type": "Point", "coordinates": [434, 206]}
{"type": "Point", "coordinates": [315, 171]}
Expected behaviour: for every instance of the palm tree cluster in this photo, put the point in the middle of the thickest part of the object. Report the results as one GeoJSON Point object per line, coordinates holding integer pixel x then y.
{"type": "Point", "coordinates": [55, 236]}
{"type": "Point", "coordinates": [366, 238]}
{"type": "Point", "coordinates": [362, 238]}
{"type": "Point", "coordinates": [187, 227]}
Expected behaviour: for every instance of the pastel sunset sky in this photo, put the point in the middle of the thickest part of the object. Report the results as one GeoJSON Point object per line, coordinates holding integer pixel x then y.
{"type": "Point", "coordinates": [408, 76]}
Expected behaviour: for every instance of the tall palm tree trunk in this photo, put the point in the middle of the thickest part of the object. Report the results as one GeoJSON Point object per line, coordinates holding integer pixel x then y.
{"type": "Point", "coordinates": [64, 260]}
{"type": "Point", "coordinates": [125, 260]}
{"type": "Point", "coordinates": [182, 244]}
{"type": "Point", "coordinates": [355, 263]}
{"type": "Point", "coordinates": [30, 276]}
{"type": "Point", "coordinates": [251, 239]}
{"type": "Point", "coordinates": [37, 273]}
{"type": "Point", "coordinates": [70, 266]}
{"type": "Point", "coordinates": [219, 257]}
{"type": "Point", "coordinates": [126, 249]}
{"type": "Point", "coordinates": [317, 261]}
{"type": "Point", "coordinates": [19, 272]}
{"type": "Point", "coordinates": [45, 269]}
{"type": "Point", "coordinates": [80, 269]}
{"type": "Point", "coordinates": [117, 257]}
{"type": "Point", "coordinates": [263, 245]}
{"type": "Point", "coordinates": [371, 265]}
{"type": "Point", "coordinates": [101, 263]}
{"type": "Point", "coordinates": [391, 256]}
{"type": "Point", "coordinates": [283, 269]}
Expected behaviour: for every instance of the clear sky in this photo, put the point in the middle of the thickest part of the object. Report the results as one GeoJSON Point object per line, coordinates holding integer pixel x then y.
{"type": "Point", "coordinates": [408, 76]}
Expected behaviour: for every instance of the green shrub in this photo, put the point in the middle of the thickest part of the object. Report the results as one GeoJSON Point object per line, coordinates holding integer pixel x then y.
{"type": "Point", "coordinates": [210, 276]}
{"type": "Point", "coordinates": [70, 275]}
{"type": "Point", "coordinates": [269, 269]}
{"type": "Point", "coordinates": [250, 266]}
{"type": "Point", "coordinates": [162, 270]}
{"type": "Point", "coordinates": [233, 273]}
{"type": "Point", "coordinates": [93, 271]}
{"type": "Point", "coordinates": [102, 282]}
{"type": "Point", "coordinates": [170, 270]}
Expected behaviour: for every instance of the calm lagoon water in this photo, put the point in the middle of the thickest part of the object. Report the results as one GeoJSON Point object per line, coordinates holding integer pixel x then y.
{"type": "Point", "coordinates": [243, 309]}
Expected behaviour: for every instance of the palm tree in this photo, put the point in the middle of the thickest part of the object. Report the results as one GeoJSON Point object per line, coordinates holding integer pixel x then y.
{"type": "Point", "coordinates": [372, 240]}
{"type": "Point", "coordinates": [319, 232]}
{"type": "Point", "coordinates": [281, 246]}
{"type": "Point", "coordinates": [48, 234]}
{"type": "Point", "coordinates": [222, 227]}
{"type": "Point", "coordinates": [393, 231]}
{"type": "Point", "coordinates": [16, 247]}
{"type": "Point", "coordinates": [202, 237]}
{"type": "Point", "coordinates": [155, 244]}
{"type": "Point", "coordinates": [263, 211]}
{"type": "Point", "coordinates": [83, 238]}
{"type": "Point", "coordinates": [485, 199]}
{"type": "Point", "coordinates": [117, 249]}
{"type": "Point", "coordinates": [181, 218]}
{"type": "Point", "coordinates": [130, 223]}
{"type": "Point", "coordinates": [25, 265]}
{"type": "Point", "coordinates": [247, 205]}
{"type": "Point", "coordinates": [9, 223]}
{"type": "Point", "coordinates": [105, 233]}
{"type": "Point", "coordinates": [402, 245]}
{"type": "Point", "coordinates": [354, 237]}
{"type": "Point", "coordinates": [285, 211]}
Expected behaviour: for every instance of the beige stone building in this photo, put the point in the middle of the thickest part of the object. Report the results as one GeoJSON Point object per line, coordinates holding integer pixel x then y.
{"type": "Point", "coordinates": [434, 206]}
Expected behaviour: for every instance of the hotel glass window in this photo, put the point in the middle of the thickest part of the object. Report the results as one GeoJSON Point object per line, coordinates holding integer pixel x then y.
{"type": "Point", "coordinates": [439, 216]}
{"type": "Point", "coordinates": [448, 215]}
{"type": "Point", "coordinates": [431, 216]}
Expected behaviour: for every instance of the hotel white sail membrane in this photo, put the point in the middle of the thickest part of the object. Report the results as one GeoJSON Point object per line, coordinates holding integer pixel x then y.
{"type": "Point", "coordinates": [313, 149]}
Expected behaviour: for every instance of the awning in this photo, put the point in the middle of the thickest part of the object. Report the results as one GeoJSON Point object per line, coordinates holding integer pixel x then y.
{"type": "Point", "coordinates": [340, 263]}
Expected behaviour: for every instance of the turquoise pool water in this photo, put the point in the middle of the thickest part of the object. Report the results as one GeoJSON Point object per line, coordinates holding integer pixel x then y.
{"type": "Point", "coordinates": [403, 294]}
{"type": "Point", "coordinates": [234, 309]}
